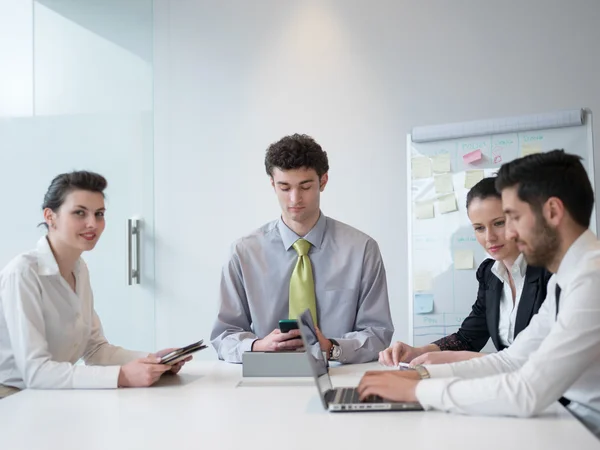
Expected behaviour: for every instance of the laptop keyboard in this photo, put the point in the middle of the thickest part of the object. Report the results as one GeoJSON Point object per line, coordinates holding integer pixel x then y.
{"type": "Point", "coordinates": [350, 395]}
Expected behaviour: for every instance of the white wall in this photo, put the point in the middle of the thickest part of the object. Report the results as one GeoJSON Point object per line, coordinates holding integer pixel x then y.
{"type": "Point", "coordinates": [232, 77]}
{"type": "Point", "coordinates": [16, 58]}
{"type": "Point", "coordinates": [79, 69]}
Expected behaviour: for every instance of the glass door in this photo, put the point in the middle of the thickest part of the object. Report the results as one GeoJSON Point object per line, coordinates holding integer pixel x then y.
{"type": "Point", "coordinates": [89, 107]}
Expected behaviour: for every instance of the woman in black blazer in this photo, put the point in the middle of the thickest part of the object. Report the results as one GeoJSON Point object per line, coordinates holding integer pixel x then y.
{"type": "Point", "coordinates": [499, 312]}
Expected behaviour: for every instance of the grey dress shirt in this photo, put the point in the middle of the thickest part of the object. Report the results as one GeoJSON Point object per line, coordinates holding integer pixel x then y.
{"type": "Point", "coordinates": [350, 288]}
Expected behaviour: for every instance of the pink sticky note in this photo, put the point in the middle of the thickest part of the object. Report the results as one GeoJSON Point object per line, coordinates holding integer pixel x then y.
{"type": "Point", "coordinates": [472, 157]}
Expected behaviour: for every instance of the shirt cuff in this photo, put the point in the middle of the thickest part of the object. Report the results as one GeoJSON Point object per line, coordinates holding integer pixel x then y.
{"type": "Point", "coordinates": [439, 370]}
{"type": "Point", "coordinates": [246, 345]}
{"type": "Point", "coordinates": [347, 347]}
{"type": "Point", "coordinates": [96, 377]}
{"type": "Point", "coordinates": [430, 393]}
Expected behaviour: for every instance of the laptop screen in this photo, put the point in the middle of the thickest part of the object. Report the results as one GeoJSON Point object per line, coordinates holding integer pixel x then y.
{"type": "Point", "coordinates": [314, 354]}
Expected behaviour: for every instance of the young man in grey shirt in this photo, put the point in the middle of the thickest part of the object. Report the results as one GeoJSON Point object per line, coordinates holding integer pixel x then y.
{"type": "Point", "coordinates": [303, 260]}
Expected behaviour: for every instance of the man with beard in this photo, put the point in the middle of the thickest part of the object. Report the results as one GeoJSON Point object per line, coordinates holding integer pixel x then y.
{"type": "Point", "coordinates": [548, 202]}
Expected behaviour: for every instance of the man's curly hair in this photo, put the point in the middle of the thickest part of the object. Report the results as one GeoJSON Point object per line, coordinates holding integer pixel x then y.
{"type": "Point", "coordinates": [294, 152]}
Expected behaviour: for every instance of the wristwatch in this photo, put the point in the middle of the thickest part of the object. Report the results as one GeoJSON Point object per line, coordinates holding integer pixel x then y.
{"type": "Point", "coordinates": [335, 352]}
{"type": "Point", "coordinates": [422, 372]}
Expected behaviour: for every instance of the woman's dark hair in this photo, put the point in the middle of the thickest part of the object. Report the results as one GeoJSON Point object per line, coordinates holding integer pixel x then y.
{"type": "Point", "coordinates": [65, 183]}
{"type": "Point", "coordinates": [294, 152]}
{"type": "Point", "coordinates": [483, 189]}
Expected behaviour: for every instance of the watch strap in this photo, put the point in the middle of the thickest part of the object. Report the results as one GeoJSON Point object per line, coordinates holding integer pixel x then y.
{"type": "Point", "coordinates": [334, 344]}
{"type": "Point", "coordinates": [422, 371]}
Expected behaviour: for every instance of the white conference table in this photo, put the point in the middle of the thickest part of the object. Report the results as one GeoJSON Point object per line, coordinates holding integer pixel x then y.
{"type": "Point", "coordinates": [210, 406]}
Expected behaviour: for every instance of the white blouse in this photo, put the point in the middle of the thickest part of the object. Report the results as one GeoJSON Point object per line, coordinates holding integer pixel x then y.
{"type": "Point", "coordinates": [45, 328]}
{"type": "Point", "coordinates": [508, 310]}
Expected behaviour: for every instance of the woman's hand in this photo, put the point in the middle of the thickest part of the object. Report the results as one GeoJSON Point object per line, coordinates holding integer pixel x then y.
{"type": "Point", "coordinates": [175, 367]}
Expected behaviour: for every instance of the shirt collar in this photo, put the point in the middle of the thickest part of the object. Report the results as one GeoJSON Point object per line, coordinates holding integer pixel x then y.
{"type": "Point", "coordinates": [314, 236]}
{"type": "Point", "coordinates": [519, 267]}
{"type": "Point", "coordinates": [570, 263]}
{"type": "Point", "coordinates": [47, 264]}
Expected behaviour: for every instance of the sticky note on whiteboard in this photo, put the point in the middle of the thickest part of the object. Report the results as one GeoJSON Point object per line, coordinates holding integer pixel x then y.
{"type": "Point", "coordinates": [529, 149]}
{"type": "Point", "coordinates": [441, 163]}
{"type": "Point", "coordinates": [423, 303]}
{"type": "Point", "coordinates": [422, 281]}
{"type": "Point", "coordinates": [472, 157]}
{"type": "Point", "coordinates": [421, 167]}
{"type": "Point", "coordinates": [472, 177]}
{"type": "Point", "coordinates": [443, 183]}
{"type": "Point", "coordinates": [463, 259]}
{"type": "Point", "coordinates": [424, 210]}
{"type": "Point", "coordinates": [447, 204]}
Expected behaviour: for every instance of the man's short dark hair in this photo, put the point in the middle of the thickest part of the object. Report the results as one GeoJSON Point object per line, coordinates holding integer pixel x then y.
{"type": "Point", "coordinates": [295, 152]}
{"type": "Point", "coordinates": [553, 174]}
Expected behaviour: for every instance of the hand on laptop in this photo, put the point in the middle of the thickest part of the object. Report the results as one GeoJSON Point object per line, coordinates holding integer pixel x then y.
{"type": "Point", "coordinates": [390, 385]}
{"type": "Point", "coordinates": [277, 341]}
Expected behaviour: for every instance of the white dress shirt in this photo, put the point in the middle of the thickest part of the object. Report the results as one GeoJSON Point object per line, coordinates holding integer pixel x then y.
{"type": "Point", "coordinates": [555, 355]}
{"type": "Point", "coordinates": [45, 328]}
{"type": "Point", "coordinates": [508, 309]}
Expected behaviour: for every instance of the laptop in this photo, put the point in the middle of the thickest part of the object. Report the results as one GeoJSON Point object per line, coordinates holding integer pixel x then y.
{"type": "Point", "coordinates": [340, 399]}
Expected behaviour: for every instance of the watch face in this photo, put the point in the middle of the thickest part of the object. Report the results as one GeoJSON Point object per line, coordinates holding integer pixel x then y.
{"type": "Point", "coordinates": [337, 351]}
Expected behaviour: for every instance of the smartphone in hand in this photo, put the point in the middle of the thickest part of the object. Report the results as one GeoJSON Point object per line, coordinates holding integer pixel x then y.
{"type": "Point", "coordinates": [287, 325]}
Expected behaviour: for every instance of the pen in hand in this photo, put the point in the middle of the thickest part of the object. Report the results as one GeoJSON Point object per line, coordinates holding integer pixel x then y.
{"type": "Point", "coordinates": [404, 366]}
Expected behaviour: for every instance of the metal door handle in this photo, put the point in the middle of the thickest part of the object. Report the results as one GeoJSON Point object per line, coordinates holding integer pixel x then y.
{"type": "Point", "coordinates": [133, 255]}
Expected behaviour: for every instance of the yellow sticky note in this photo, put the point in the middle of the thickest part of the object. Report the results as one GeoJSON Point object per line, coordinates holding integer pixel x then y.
{"type": "Point", "coordinates": [443, 184]}
{"type": "Point", "coordinates": [472, 177]}
{"type": "Point", "coordinates": [424, 210]}
{"type": "Point", "coordinates": [528, 149]}
{"type": "Point", "coordinates": [447, 204]}
{"type": "Point", "coordinates": [441, 163]}
{"type": "Point", "coordinates": [422, 281]}
{"type": "Point", "coordinates": [421, 167]}
{"type": "Point", "coordinates": [463, 259]}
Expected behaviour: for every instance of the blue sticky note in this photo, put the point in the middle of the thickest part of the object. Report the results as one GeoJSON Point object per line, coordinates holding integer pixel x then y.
{"type": "Point", "coordinates": [423, 303]}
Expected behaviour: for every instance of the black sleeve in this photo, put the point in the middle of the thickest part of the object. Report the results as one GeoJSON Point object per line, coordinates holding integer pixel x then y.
{"type": "Point", "coordinates": [473, 333]}
{"type": "Point", "coordinates": [452, 342]}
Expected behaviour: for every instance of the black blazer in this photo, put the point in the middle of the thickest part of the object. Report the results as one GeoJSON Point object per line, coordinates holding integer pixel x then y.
{"type": "Point", "coordinates": [482, 323]}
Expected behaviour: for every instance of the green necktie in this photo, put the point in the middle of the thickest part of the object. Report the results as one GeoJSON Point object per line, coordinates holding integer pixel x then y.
{"type": "Point", "coordinates": [302, 285]}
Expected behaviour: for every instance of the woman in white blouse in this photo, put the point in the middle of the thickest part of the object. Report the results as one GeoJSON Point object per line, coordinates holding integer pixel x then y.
{"type": "Point", "coordinates": [47, 317]}
{"type": "Point", "coordinates": [509, 294]}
